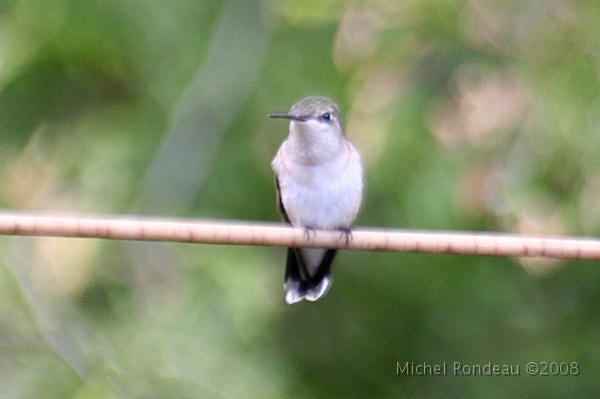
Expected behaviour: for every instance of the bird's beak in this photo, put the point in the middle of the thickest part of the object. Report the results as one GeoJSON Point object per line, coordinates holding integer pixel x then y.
{"type": "Point", "coordinates": [289, 116]}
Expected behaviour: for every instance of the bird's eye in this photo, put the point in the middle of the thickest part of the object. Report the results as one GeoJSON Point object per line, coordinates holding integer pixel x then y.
{"type": "Point", "coordinates": [326, 116]}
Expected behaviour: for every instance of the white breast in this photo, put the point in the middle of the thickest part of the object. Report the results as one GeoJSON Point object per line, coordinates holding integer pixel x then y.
{"type": "Point", "coordinates": [321, 196]}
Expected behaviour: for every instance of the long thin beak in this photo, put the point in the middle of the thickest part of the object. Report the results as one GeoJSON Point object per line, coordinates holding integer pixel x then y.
{"type": "Point", "coordinates": [289, 116]}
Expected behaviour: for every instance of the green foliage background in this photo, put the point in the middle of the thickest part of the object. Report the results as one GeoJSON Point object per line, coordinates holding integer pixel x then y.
{"type": "Point", "coordinates": [472, 115]}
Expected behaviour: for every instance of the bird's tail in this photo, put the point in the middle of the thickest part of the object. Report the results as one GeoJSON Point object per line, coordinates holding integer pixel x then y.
{"type": "Point", "coordinates": [300, 282]}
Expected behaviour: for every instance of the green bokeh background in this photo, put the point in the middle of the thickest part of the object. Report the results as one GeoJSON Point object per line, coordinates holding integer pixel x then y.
{"type": "Point", "coordinates": [470, 115]}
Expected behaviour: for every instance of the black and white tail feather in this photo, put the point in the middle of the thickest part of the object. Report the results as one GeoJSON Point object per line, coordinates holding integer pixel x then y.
{"type": "Point", "coordinates": [302, 279]}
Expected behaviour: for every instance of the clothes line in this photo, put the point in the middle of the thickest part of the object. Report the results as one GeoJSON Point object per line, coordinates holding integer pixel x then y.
{"type": "Point", "coordinates": [269, 234]}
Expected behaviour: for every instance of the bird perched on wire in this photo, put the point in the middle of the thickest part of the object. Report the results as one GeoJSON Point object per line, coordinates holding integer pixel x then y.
{"type": "Point", "coordinates": [319, 179]}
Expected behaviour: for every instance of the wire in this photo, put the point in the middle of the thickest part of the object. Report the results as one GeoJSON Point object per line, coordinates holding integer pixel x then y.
{"type": "Point", "coordinates": [249, 233]}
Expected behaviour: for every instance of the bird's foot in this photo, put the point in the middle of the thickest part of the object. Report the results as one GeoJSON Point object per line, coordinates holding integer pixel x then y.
{"type": "Point", "coordinates": [346, 233]}
{"type": "Point", "coordinates": [307, 231]}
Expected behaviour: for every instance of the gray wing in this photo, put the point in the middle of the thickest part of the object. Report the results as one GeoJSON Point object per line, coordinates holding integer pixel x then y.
{"type": "Point", "coordinates": [280, 206]}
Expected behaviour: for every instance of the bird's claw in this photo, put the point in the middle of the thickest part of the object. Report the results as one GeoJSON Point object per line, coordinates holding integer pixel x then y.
{"type": "Point", "coordinates": [346, 233]}
{"type": "Point", "coordinates": [307, 231]}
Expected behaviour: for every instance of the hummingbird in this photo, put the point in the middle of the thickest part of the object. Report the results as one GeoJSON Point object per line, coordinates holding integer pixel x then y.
{"type": "Point", "coordinates": [319, 182]}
